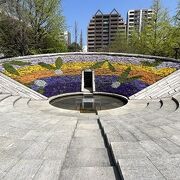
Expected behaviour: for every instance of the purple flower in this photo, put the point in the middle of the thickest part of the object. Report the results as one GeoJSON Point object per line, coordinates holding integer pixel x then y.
{"type": "Point", "coordinates": [104, 84]}
{"type": "Point", "coordinates": [62, 84]}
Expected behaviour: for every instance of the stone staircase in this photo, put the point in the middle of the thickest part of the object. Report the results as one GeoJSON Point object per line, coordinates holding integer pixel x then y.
{"type": "Point", "coordinates": [8, 85]}
{"type": "Point", "coordinates": [138, 141]}
{"type": "Point", "coordinates": [166, 87]}
{"type": "Point", "coordinates": [87, 156]}
{"type": "Point", "coordinates": [33, 144]}
{"type": "Point", "coordinates": [145, 142]}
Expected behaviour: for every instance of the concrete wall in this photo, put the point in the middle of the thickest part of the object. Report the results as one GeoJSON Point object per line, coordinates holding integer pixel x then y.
{"type": "Point", "coordinates": [49, 56]}
{"type": "Point", "coordinates": [113, 57]}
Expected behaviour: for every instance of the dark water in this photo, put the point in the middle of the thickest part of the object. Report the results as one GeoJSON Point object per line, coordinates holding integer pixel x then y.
{"type": "Point", "coordinates": [101, 102]}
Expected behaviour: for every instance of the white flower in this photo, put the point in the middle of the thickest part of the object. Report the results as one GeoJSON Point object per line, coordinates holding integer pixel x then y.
{"type": "Point", "coordinates": [1, 69]}
{"type": "Point", "coordinates": [58, 72]}
{"type": "Point", "coordinates": [115, 84]}
{"type": "Point", "coordinates": [40, 83]}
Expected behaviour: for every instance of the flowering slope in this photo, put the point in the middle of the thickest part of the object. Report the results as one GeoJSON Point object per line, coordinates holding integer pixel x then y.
{"type": "Point", "coordinates": [126, 76]}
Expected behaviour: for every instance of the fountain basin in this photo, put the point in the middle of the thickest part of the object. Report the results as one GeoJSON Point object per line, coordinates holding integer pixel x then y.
{"type": "Point", "coordinates": [79, 101]}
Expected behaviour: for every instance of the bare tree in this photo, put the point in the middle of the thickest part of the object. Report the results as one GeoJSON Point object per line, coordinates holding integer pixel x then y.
{"type": "Point", "coordinates": [177, 17]}
{"type": "Point", "coordinates": [76, 35]}
{"type": "Point", "coordinates": [81, 40]}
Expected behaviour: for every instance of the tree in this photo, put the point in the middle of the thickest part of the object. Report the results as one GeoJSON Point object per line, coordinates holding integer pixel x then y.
{"type": "Point", "coordinates": [14, 31]}
{"type": "Point", "coordinates": [34, 22]}
{"type": "Point", "coordinates": [45, 18]}
{"type": "Point", "coordinates": [176, 32]}
{"type": "Point", "coordinates": [177, 17]}
{"type": "Point", "coordinates": [154, 38]}
{"type": "Point", "coordinates": [74, 47]}
{"type": "Point", "coordinates": [120, 43]}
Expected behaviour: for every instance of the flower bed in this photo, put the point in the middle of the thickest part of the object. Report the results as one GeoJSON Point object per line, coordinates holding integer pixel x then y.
{"type": "Point", "coordinates": [59, 85]}
{"type": "Point", "coordinates": [104, 84]}
{"type": "Point", "coordinates": [121, 75]}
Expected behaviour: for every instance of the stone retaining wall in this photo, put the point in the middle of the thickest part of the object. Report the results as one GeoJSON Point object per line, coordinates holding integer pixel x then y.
{"type": "Point", "coordinates": [96, 54]}
{"type": "Point", "coordinates": [113, 57]}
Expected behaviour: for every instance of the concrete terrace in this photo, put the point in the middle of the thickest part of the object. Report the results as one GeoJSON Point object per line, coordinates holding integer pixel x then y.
{"type": "Point", "coordinates": [139, 141]}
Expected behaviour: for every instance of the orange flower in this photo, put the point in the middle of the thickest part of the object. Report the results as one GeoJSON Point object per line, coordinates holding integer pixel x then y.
{"type": "Point", "coordinates": [36, 75]}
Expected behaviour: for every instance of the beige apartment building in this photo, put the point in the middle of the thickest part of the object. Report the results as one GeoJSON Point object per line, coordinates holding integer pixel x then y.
{"type": "Point", "coordinates": [103, 28]}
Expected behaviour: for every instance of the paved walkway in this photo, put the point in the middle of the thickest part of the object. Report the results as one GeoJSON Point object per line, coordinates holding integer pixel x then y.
{"type": "Point", "coordinates": [38, 141]}
{"type": "Point", "coordinates": [138, 141]}
{"type": "Point", "coordinates": [87, 156]}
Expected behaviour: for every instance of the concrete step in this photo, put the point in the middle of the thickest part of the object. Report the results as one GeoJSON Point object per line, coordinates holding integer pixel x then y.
{"type": "Point", "coordinates": [159, 92]}
{"type": "Point", "coordinates": [169, 105]}
{"type": "Point", "coordinates": [140, 169]}
{"type": "Point", "coordinates": [87, 125]}
{"type": "Point", "coordinates": [10, 100]}
{"type": "Point", "coordinates": [133, 162]}
{"type": "Point", "coordinates": [87, 142]}
{"type": "Point", "coordinates": [154, 105]}
{"type": "Point", "coordinates": [22, 103]}
{"type": "Point", "coordinates": [132, 107]}
{"type": "Point", "coordinates": [177, 99]}
{"type": "Point", "coordinates": [4, 96]}
{"type": "Point", "coordinates": [87, 150]}
{"type": "Point", "coordinates": [39, 104]}
{"type": "Point", "coordinates": [46, 108]}
{"type": "Point", "coordinates": [87, 157]}
{"type": "Point", "coordinates": [89, 173]}
{"type": "Point", "coordinates": [127, 150]}
{"type": "Point", "coordinates": [87, 133]}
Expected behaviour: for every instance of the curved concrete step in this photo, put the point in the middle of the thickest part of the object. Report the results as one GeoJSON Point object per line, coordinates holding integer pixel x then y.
{"type": "Point", "coordinates": [22, 103]}
{"type": "Point", "coordinates": [154, 105]}
{"type": "Point", "coordinates": [169, 105]}
{"type": "Point", "coordinates": [7, 104]}
{"type": "Point", "coordinates": [132, 106]}
{"type": "Point", "coordinates": [4, 96]}
{"type": "Point", "coordinates": [10, 100]}
{"type": "Point", "coordinates": [176, 98]}
{"type": "Point", "coordinates": [46, 108]}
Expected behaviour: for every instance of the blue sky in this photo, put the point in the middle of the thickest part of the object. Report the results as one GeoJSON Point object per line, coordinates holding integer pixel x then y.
{"type": "Point", "coordinates": [82, 10]}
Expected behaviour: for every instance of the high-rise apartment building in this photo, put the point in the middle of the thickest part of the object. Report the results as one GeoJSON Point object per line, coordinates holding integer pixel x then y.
{"type": "Point", "coordinates": [137, 19]}
{"type": "Point", "coordinates": [102, 29]}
